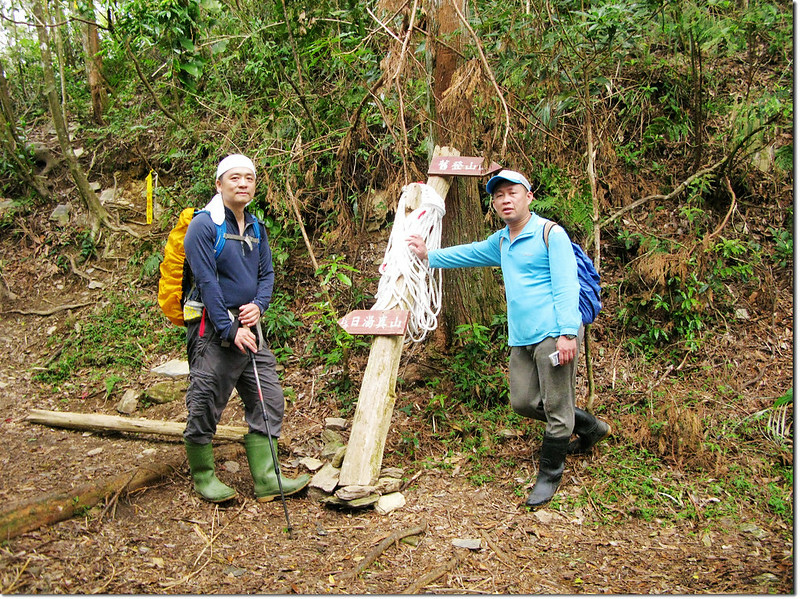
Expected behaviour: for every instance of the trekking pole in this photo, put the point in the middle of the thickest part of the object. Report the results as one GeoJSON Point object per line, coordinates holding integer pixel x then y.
{"type": "Point", "coordinates": [271, 447]}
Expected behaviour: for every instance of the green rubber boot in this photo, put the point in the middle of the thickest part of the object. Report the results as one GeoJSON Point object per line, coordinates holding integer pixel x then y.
{"type": "Point", "coordinates": [206, 483]}
{"type": "Point", "coordinates": [262, 468]}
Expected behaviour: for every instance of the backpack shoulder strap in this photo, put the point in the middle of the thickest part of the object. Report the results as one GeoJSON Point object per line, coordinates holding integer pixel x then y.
{"type": "Point", "coordinates": [546, 233]}
{"type": "Point", "coordinates": [219, 237]}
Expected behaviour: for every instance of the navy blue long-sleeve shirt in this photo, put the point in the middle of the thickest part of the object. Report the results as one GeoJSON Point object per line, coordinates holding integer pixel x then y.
{"type": "Point", "coordinates": [238, 277]}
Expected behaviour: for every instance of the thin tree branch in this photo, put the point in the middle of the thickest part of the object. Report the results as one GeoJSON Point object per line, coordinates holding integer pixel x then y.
{"type": "Point", "coordinates": [49, 312]}
{"type": "Point", "coordinates": [431, 576]}
{"type": "Point", "coordinates": [674, 193]}
{"type": "Point", "coordinates": [155, 97]}
{"type": "Point", "coordinates": [382, 546]}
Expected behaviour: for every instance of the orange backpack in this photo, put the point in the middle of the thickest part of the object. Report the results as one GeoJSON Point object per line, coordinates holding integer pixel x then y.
{"type": "Point", "coordinates": [170, 285]}
{"type": "Point", "coordinates": [171, 290]}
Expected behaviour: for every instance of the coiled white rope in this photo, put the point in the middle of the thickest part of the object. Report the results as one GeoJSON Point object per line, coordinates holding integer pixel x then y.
{"type": "Point", "coordinates": [406, 282]}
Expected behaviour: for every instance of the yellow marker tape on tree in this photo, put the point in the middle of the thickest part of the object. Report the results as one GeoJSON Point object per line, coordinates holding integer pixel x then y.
{"type": "Point", "coordinates": [150, 197]}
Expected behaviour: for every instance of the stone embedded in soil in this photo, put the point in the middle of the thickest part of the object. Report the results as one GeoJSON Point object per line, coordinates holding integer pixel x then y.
{"type": "Point", "coordinates": [173, 369]}
{"type": "Point", "coordinates": [61, 215]}
{"type": "Point", "coordinates": [331, 436]}
{"type": "Point", "coordinates": [472, 544]}
{"type": "Point", "coordinates": [330, 450]}
{"type": "Point", "coordinates": [335, 424]}
{"type": "Point", "coordinates": [311, 464]}
{"type": "Point", "coordinates": [387, 484]}
{"type": "Point", "coordinates": [326, 479]}
{"type": "Point", "coordinates": [128, 403]}
{"type": "Point", "coordinates": [392, 472]}
{"type": "Point", "coordinates": [338, 457]}
{"type": "Point", "coordinates": [352, 492]}
{"type": "Point", "coordinates": [355, 503]}
{"type": "Point", "coordinates": [389, 503]}
{"type": "Point", "coordinates": [166, 391]}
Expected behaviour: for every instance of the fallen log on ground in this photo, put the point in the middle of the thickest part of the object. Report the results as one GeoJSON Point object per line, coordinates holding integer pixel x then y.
{"type": "Point", "coordinates": [31, 514]}
{"type": "Point", "coordinates": [103, 422]}
{"type": "Point", "coordinates": [55, 507]}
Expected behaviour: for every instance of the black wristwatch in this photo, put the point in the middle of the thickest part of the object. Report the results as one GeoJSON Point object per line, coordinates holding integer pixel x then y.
{"type": "Point", "coordinates": [570, 337]}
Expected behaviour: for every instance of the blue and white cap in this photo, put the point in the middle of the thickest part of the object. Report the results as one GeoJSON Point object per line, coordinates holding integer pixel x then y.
{"type": "Point", "coordinates": [506, 175]}
{"type": "Point", "coordinates": [234, 161]}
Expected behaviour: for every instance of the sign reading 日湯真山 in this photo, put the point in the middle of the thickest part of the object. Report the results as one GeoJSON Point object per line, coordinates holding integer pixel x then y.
{"type": "Point", "coordinates": [375, 322]}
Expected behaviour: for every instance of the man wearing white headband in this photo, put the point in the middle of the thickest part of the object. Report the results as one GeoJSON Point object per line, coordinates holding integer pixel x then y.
{"type": "Point", "coordinates": [230, 263]}
{"type": "Point", "coordinates": [542, 288]}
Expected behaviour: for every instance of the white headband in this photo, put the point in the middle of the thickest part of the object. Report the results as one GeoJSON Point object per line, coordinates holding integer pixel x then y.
{"type": "Point", "coordinates": [234, 161]}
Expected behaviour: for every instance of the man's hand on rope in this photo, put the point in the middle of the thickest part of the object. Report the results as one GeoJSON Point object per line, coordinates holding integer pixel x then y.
{"type": "Point", "coordinates": [417, 245]}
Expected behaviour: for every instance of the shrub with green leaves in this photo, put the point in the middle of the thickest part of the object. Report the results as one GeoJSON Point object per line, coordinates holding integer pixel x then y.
{"type": "Point", "coordinates": [478, 365]}
{"type": "Point", "coordinates": [119, 337]}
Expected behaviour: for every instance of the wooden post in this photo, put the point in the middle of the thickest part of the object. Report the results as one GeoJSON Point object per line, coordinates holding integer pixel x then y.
{"type": "Point", "coordinates": [362, 461]}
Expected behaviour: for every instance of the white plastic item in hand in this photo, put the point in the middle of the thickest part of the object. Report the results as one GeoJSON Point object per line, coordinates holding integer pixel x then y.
{"type": "Point", "coordinates": [406, 282]}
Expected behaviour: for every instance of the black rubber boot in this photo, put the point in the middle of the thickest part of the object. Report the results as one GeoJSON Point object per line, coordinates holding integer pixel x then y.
{"type": "Point", "coordinates": [551, 467]}
{"type": "Point", "coordinates": [590, 430]}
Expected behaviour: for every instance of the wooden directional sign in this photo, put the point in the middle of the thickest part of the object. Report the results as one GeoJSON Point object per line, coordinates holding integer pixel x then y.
{"type": "Point", "coordinates": [375, 322]}
{"type": "Point", "coordinates": [464, 166]}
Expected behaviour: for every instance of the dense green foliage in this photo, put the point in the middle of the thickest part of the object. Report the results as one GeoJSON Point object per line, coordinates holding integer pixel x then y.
{"type": "Point", "coordinates": [689, 102]}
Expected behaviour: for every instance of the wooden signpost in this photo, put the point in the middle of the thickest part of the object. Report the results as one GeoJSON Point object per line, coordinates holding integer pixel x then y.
{"type": "Point", "coordinates": [462, 166]}
{"type": "Point", "coordinates": [362, 461]}
{"type": "Point", "coordinates": [375, 322]}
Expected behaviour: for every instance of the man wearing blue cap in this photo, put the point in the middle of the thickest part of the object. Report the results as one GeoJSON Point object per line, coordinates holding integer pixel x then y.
{"type": "Point", "coordinates": [544, 322]}
{"type": "Point", "coordinates": [231, 289]}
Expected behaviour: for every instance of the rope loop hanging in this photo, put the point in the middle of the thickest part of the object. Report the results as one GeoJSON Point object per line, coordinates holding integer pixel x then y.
{"type": "Point", "coordinates": [406, 282]}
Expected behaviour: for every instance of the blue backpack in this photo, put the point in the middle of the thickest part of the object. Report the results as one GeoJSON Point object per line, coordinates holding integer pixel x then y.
{"type": "Point", "coordinates": [589, 297]}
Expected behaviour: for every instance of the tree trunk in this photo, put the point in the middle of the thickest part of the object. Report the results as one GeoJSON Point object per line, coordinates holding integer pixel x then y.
{"type": "Point", "coordinates": [10, 141]}
{"type": "Point", "coordinates": [591, 171]}
{"type": "Point", "coordinates": [470, 294]}
{"type": "Point", "coordinates": [7, 107]}
{"type": "Point", "coordinates": [98, 212]}
{"type": "Point", "coordinates": [59, 43]}
{"type": "Point", "coordinates": [94, 66]}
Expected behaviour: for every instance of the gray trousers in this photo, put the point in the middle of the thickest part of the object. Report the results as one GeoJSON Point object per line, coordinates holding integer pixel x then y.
{"type": "Point", "coordinates": [539, 390]}
{"type": "Point", "coordinates": [214, 371]}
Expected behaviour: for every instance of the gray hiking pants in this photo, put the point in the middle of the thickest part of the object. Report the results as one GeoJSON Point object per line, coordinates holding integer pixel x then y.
{"type": "Point", "coordinates": [214, 371]}
{"type": "Point", "coordinates": [539, 390]}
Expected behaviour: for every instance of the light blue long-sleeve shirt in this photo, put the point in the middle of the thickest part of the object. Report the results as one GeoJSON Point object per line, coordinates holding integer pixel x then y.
{"type": "Point", "coordinates": [541, 285]}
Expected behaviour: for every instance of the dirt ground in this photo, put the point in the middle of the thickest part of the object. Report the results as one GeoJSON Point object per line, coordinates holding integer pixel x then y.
{"type": "Point", "coordinates": [164, 540]}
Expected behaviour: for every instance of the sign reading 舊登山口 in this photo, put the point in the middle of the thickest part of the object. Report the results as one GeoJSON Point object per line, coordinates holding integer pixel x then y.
{"type": "Point", "coordinates": [464, 166]}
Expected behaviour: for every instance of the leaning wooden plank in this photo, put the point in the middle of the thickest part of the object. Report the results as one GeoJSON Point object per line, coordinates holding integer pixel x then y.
{"type": "Point", "coordinates": [362, 462]}
{"type": "Point", "coordinates": [104, 422]}
{"type": "Point", "coordinates": [55, 507]}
